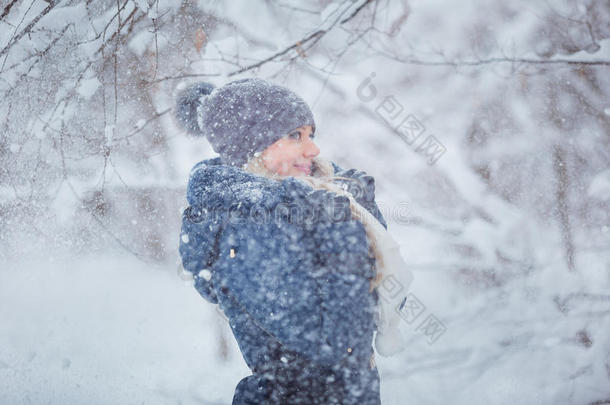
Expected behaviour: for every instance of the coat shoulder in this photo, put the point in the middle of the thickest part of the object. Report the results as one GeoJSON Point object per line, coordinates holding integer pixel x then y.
{"type": "Point", "coordinates": [213, 184]}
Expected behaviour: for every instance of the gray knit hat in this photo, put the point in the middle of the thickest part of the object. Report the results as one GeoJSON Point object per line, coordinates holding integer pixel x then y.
{"type": "Point", "coordinates": [242, 117]}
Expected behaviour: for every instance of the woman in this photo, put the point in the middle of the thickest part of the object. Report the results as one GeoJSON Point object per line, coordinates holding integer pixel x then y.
{"type": "Point", "coordinates": [290, 246]}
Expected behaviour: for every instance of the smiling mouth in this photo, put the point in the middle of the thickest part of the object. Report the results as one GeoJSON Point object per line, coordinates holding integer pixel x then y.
{"type": "Point", "coordinates": [304, 168]}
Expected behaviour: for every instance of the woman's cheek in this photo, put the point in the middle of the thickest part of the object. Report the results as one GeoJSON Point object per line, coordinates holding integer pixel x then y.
{"type": "Point", "coordinates": [282, 168]}
{"type": "Point", "coordinates": [271, 165]}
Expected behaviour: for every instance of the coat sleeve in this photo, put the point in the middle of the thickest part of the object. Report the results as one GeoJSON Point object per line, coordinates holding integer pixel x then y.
{"type": "Point", "coordinates": [201, 224]}
{"type": "Point", "coordinates": [306, 288]}
{"type": "Point", "coordinates": [346, 270]}
{"type": "Point", "coordinates": [197, 247]}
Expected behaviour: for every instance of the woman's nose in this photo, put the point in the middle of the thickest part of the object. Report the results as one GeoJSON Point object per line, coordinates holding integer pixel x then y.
{"type": "Point", "coordinates": [311, 149]}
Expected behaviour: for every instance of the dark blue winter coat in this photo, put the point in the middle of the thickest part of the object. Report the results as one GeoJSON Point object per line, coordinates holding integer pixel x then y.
{"type": "Point", "coordinates": [291, 270]}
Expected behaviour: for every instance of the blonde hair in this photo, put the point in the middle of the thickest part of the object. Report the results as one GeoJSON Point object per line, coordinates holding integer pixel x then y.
{"type": "Point", "coordinates": [322, 176]}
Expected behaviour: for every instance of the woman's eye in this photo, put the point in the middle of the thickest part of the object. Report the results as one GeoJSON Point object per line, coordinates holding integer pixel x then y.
{"type": "Point", "coordinates": [295, 135]}
{"type": "Point", "coordinates": [311, 136]}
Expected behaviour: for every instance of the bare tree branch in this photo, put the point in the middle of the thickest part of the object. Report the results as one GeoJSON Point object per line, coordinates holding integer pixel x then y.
{"type": "Point", "coordinates": [458, 63]}
{"type": "Point", "coordinates": [29, 27]}
{"type": "Point", "coordinates": [7, 8]}
{"type": "Point", "coordinates": [563, 211]}
{"type": "Point", "coordinates": [40, 54]}
{"type": "Point", "coordinates": [314, 37]}
{"type": "Point", "coordinates": [143, 125]}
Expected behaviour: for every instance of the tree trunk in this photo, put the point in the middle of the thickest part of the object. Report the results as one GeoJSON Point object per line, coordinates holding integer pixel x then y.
{"type": "Point", "coordinates": [559, 166]}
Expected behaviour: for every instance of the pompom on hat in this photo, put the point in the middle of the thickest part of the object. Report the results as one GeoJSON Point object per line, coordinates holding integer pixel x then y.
{"type": "Point", "coordinates": [242, 117]}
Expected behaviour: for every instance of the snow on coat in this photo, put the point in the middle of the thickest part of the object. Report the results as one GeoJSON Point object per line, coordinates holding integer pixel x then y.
{"type": "Point", "coordinates": [291, 270]}
{"type": "Point", "coordinates": [393, 277]}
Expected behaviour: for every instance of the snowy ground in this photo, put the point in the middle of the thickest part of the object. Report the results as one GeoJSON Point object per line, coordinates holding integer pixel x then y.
{"type": "Point", "coordinates": [109, 330]}
{"type": "Point", "coordinates": [116, 330]}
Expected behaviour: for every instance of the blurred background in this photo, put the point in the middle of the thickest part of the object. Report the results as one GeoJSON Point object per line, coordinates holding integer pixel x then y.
{"type": "Point", "coordinates": [486, 126]}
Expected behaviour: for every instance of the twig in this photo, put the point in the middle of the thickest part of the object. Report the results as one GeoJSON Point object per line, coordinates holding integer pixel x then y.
{"type": "Point", "coordinates": [40, 54]}
{"type": "Point", "coordinates": [7, 8]}
{"type": "Point", "coordinates": [29, 27]}
{"type": "Point", "coordinates": [15, 32]}
{"type": "Point", "coordinates": [562, 304]}
{"type": "Point", "coordinates": [82, 201]}
{"type": "Point", "coordinates": [154, 20]}
{"type": "Point", "coordinates": [314, 37]}
{"type": "Point", "coordinates": [413, 61]}
{"type": "Point", "coordinates": [148, 121]}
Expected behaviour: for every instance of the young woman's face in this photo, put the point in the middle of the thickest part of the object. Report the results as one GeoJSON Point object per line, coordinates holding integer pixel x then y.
{"type": "Point", "coordinates": [293, 154]}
